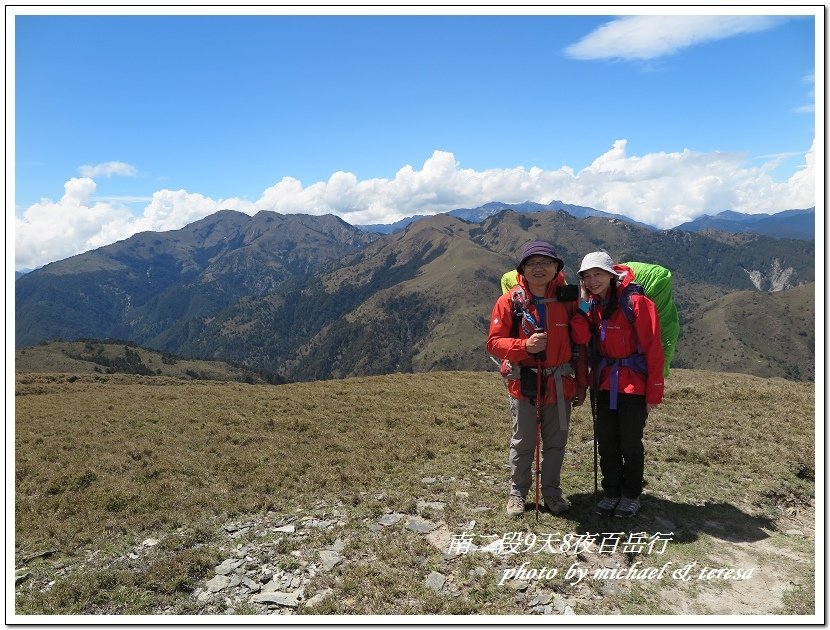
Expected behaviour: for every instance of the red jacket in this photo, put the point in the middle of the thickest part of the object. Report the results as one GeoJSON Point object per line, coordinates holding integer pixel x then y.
{"type": "Point", "coordinates": [558, 319]}
{"type": "Point", "coordinates": [623, 339]}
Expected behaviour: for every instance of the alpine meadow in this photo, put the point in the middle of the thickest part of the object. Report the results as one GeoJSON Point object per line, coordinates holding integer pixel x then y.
{"type": "Point", "coordinates": [290, 415]}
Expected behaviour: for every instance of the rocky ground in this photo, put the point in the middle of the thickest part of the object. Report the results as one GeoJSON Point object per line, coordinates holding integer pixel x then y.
{"type": "Point", "coordinates": [272, 563]}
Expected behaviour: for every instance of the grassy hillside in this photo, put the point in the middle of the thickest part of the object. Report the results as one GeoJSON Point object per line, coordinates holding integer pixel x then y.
{"type": "Point", "coordinates": [83, 357]}
{"type": "Point", "coordinates": [104, 462]}
{"type": "Point", "coordinates": [765, 334]}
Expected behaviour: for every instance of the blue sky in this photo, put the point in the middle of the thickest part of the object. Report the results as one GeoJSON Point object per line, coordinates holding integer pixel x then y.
{"type": "Point", "coordinates": [128, 123]}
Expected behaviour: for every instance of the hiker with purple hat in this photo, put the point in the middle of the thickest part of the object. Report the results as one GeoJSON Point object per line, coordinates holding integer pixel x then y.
{"type": "Point", "coordinates": [531, 334]}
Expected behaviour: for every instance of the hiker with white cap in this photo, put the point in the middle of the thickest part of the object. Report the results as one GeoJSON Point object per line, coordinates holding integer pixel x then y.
{"type": "Point", "coordinates": [530, 333]}
{"type": "Point", "coordinates": [626, 378]}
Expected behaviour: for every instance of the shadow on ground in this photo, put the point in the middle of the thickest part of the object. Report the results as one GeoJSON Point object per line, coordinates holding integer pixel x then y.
{"type": "Point", "coordinates": [684, 521]}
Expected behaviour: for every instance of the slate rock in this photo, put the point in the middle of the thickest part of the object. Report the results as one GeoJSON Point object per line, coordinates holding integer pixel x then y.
{"type": "Point", "coordinates": [390, 519]}
{"type": "Point", "coordinates": [330, 559]}
{"type": "Point", "coordinates": [562, 605]}
{"type": "Point", "coordinates": [217, 583]}
{"type": "Point", "coordinates": [420, 525]}
{"type": "Point", "coordinates": [435, 581]}
{"type": "Point", "coordinates": [540, 599]}
{"type": "Point", "coordinates": [273, 586]}
{"type": "Point", "coordinates": [281, 599]}
{"type": "Point", "coordinates": [252, 586]}
{"type": "Point", "coordinates": [227, 566]}
{"type": "Point", "coordinates": [318, 524]}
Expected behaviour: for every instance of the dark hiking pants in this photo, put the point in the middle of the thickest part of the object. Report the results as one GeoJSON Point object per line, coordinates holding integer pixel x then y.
{"type": "Point", "coordinates": [620, 443]}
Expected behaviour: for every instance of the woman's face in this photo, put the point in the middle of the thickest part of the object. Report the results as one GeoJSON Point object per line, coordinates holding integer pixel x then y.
{"type": "Point", "coordinates": [597, 281]}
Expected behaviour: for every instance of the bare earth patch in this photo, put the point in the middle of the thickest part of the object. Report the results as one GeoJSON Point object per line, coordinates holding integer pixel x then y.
{"type": "Point", "coordinates": [777, 563]}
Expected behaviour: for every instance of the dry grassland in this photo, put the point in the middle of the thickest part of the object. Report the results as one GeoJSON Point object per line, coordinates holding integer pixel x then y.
{"type": "Point", "coordinates": [105, 461]}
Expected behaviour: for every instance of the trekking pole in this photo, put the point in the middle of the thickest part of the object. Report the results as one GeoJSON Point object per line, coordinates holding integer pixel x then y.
{"type": "Point", "coordinates": [540, 357]}
{"type": "Point", "coordinates": [594, 418]}
{"type": "Point", "coordinates": [593, 357]}
{"type": "Point", "coordinates": [539, 371]}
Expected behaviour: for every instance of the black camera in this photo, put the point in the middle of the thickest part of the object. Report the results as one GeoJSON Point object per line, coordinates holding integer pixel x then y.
{"type": "Point", "coordinates": [567, 292]}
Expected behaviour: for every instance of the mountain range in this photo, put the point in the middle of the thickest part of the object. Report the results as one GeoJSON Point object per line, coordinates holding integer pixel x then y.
{"type": "Point", "coordinates": [798, 224]}
{"type": "Point", "coordinates": [477, 215]}
{"type": "Point", "coordinates": [312, 297]}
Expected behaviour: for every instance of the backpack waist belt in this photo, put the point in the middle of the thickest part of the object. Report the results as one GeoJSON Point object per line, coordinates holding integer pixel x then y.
{"type": "Point", "coordinates": [636, 362]}
{"type": "Point", "coordinates": [558, 371]}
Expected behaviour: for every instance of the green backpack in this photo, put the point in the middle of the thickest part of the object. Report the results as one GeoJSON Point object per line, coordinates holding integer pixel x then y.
{"type": "Point", "coordinates": [509, 280]}
{"type": "Point", "coordinates": [655, 282]}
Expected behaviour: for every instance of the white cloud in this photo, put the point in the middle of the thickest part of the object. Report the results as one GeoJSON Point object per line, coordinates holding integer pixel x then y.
{"type": "Point", "coordinates": [666, 189]}
{"type": "Point", "coordinates": [644, 37]}
{"type": "Point", "coordinates": [51, 230]}
{"type": "Point", "coordinates": [810, 108]}
{"type": "Point", "coordinates": [662, 189]}
{"type": "Point", "coordinates": [107, 169]}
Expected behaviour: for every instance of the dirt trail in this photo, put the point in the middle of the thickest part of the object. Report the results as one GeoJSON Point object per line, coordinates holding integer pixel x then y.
{"type": "Point", "coordinates": [775, 564]}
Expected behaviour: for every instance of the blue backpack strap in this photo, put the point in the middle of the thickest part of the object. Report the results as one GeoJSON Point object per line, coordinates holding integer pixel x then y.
{"type": "Point", "coordinates": [636, 362]}
{"type": "Point", "coordinates": [625, 299]}
{"type": "Point", "coordinates": [625, 304]}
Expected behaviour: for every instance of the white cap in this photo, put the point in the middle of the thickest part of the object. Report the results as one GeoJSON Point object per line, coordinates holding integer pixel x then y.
{"type": "Point", "coordinates": [599, 260]}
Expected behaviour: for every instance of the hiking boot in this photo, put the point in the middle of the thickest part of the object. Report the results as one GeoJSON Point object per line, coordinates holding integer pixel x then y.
{"type": "Point", "coordinates": [515, 505]}
{"type": "Point", "coordinates": [627, 508]}
{"type": "Point", "coordinates": [557, 505]}
{"type": "Point", "coordinates": [607, 505]}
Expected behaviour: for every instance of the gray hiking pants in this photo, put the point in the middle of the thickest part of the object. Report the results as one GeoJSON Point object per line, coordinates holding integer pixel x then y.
{"type": "Point", "coordinates": [523, 447]}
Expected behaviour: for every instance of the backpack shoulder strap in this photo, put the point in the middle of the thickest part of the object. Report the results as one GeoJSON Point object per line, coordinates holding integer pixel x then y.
{"type": "Point", "coordinates": [625, 299]}
{"type": "Point", "coordinates": [625, 304]}
{"type": "Point", "coordinates": [519, 300]}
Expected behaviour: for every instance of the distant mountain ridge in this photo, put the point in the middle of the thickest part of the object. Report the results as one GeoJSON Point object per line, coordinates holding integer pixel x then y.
{"type": "Point", "coordinates": [799, 224]}
{"type": "Point", "coordinates": [140, 288]}
{"type": "Point", "coordinates": [312, 298]}
{"type": "Point", "coordinates": [479, 214]}
{"type": "Point", "coordinates": [114, 357]}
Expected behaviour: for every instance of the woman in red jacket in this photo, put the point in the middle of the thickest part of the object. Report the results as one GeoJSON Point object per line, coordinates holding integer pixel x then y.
{"type": "Point", "coordinates": [530, 327]}
{"type": "Point", "coordinates": [626, 377]}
